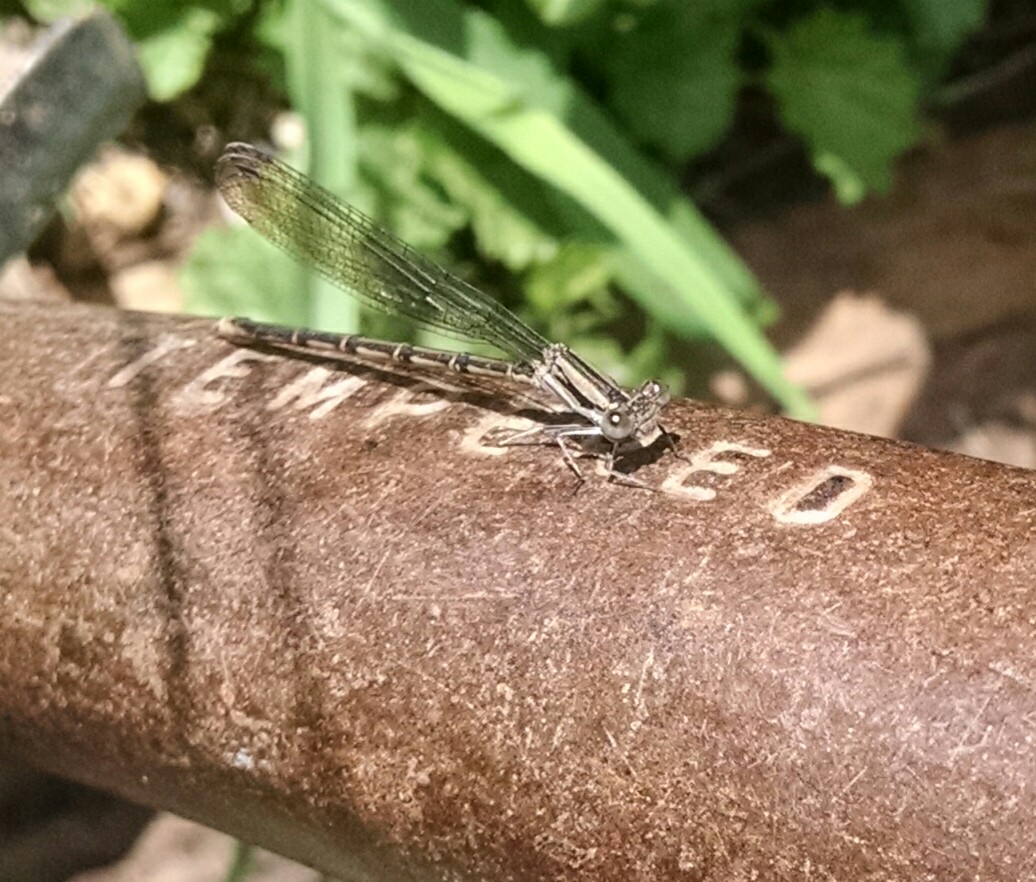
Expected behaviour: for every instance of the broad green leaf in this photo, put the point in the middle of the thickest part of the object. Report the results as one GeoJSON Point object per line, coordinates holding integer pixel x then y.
{"type": "Point", "coordinates": [173, 58]}
{"type": "Point", "coordinates": [173, 39]}
{"type": "Point", "coordinates": [675, 75]}
{"type": "Point", "coordinates": [554, 132]}
{"type": "Point", "coordinates": [847, 92]}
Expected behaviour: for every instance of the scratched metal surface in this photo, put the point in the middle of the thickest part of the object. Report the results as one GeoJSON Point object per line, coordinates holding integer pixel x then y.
{"type": "Point", "coordinates": [307, 606]}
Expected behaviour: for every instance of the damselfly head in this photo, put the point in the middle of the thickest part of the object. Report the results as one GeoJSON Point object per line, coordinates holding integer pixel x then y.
{"type": "Point", "coordinates": [627, 419]}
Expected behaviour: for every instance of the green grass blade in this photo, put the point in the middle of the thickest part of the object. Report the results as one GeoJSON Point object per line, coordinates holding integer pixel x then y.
{"type": "Point", "coordinates": [320, 87]}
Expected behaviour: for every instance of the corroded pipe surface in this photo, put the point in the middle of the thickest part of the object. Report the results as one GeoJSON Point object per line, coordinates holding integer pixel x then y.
{"type": "Point", "coordinates": [309, 607]}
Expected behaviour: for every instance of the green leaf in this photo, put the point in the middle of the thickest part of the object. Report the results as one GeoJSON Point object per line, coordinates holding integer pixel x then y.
{"type": "Point", "coordinates": [173, 58]}
{"type": "Point", "coordinates": [675, 75]}
{"type": "Point", "coordinates": [174, 39]}
{"type": "Point", "coordinates": [847, 92]}
{"type": "Point", "coordinates": [553, 131]}
{"type": "Point", "coordinates": [577, 272]}
{"type": "Point", "coordinates": [562, 13]}
{"type": "Point", "coordinates": [237, 272]}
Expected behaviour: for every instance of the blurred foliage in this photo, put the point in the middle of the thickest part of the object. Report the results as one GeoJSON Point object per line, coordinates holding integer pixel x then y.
{"type": "Point", "coordinates": [548, 134]}
{"type": "Point", "coordinates": [827, 63]}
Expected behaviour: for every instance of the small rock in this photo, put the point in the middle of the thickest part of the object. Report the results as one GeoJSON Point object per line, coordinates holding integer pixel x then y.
{"type": "Point", "coordinates": [863, 363]}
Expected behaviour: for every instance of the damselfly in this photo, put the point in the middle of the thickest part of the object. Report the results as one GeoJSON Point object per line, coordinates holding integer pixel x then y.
{"type": "Point", "coordinates": [353, 252]}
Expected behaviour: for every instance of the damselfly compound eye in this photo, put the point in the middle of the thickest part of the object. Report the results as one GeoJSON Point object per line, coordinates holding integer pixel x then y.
{"type": "Point", "coordinates": [617, 425]}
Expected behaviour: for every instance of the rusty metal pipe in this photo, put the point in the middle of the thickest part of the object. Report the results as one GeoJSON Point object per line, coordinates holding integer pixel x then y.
{"type": "Point", "coordinates": [308, 607]}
